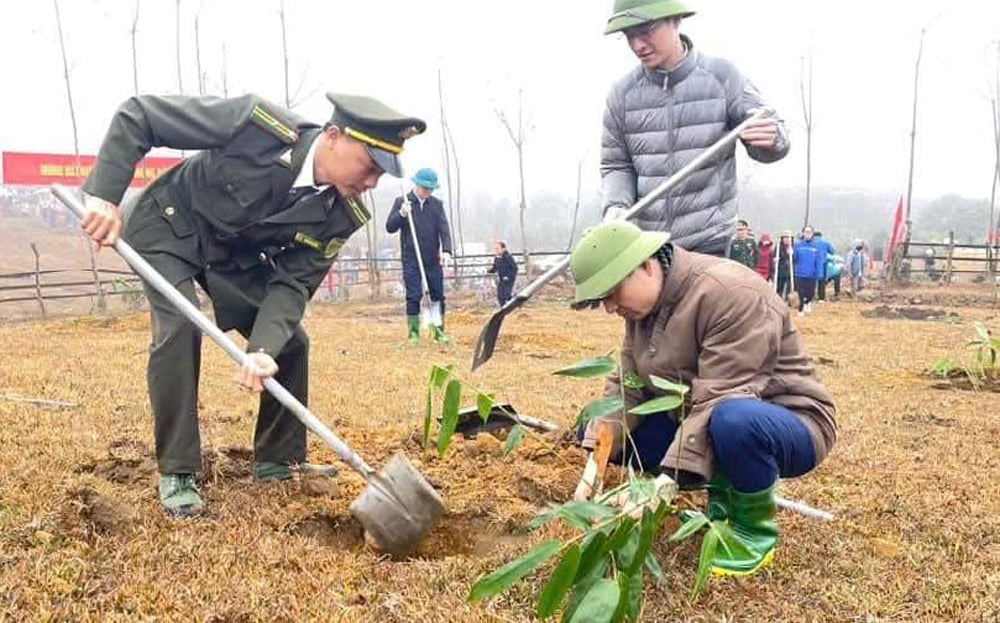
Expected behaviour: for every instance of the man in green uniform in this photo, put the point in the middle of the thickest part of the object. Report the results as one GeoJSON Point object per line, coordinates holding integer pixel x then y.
{"type": "Point", "coordinates": [256, 218]}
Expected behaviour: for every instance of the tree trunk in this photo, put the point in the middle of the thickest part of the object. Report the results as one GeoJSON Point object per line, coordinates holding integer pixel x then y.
{"type": "Point", "coordinates": [446, 156]}
{"type": "Point", "coordinates": [101, 302]}
{"type": "Point", "coordinates": [225, 72]}
{"type": "Point", "coordinates": [284, 52]}
{"type": "Point", "coordinates": [135, 61]}
{"type": "Point", "coordinates": [807, 113]}
{"type": "Point", "coordinates": [913, 145]}
{"type": "Point", "coordinates": [197, 52]}
{"type": "Point", "coordinates": [576, 206]}
{"type": "Point", "coordinates": [177, 46]}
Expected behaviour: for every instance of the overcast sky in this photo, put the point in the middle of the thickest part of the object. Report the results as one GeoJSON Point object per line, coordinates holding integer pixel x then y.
{"type": "Point", "coordinates": [555, 51]}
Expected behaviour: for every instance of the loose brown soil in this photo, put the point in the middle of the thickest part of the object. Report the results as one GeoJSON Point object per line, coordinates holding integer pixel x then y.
{"type": "Point", "coordinates": [912, 480]}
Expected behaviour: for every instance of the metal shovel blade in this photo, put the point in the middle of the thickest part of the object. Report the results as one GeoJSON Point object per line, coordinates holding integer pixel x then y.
{"type": "Point", "coordinates": [488, 336]}
{"type": "Point", "coordinates": [398, 507]}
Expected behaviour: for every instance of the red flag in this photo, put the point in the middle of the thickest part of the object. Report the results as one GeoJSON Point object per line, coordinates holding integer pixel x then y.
{"type": "Point", "coordinates": [898, 232]}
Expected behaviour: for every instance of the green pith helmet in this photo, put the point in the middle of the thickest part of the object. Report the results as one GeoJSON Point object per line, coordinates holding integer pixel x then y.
{"type": "Point", "coordinates": [629, 13]}
{"type": "Point", "coordinates": [609, 253]}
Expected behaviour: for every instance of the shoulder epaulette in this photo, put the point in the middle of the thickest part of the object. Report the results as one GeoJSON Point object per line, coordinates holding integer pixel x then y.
{"type": "Point", "coordinates": [268, 120]}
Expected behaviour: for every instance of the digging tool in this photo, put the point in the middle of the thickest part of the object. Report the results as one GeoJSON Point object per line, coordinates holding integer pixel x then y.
{"type": "Point", "coordinates": [430, 311]}
{"type": "Point", "coordinates": [501, 417]}
{"type": "Point", "coordinates": [488, 337]}
{"type": "Point", "coordinates": [397, 508]}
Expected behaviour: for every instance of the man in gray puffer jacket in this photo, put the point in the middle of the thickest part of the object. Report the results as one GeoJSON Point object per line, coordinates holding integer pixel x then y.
{"type": "Point", "coordinates": [665, 112]}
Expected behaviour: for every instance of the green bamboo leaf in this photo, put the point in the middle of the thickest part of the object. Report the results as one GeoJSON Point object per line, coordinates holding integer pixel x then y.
{"type": "Point", "coordinates": [647, 532]}
{"type": "Point", "coordinates": [582, 515]}
{"type": "Point", "coordinates": [593, 559]}
{"type": "Point", "coordinates": [514, 439]}
{"type": "Point", "coordinates": [428, 416]}
{"type": "Point", "coordinates": [598, 604]}
{"type": "Point", "coordinates": [484, 403]}
{"type": "Point", "coordinates": [505, 577]}
{"type": "Point", "coordinates": [558, 585]}
{"type": "Point", "coordinates": [625, 554]}
{"type": "Point", "coordinates": [654, 568]}
{"type": "Point", "coordinates": [656, 405]}
{"type": "Point", "coordinates": [694, 523]}
{"type": "Point", "coordinates": [449, 415]}
{"type": "Point", "coordinates": [669, 386]}
{"type": "Point", "coordinates": [633, 381]}
{"type": "Point", "coordinates": [982, 332]}
{"type": "Point", "coordinates": [708, 547]}
{"type": "Point", "coordinates": [440, 375]}
{"type": "Point", "coordinates": [630, 602]}
{"type": "Point", "coordinates": [599, 408]}
{"type": "Point", "coordinates": [624, 586]}
{"type": "Point", "coordinates": [590, 368]}
{"type": "Point", "coordinates": [621, 534]}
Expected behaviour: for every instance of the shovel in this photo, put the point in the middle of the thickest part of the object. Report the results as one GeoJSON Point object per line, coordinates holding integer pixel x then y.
{"type": "Point", "coordinates": [397, 508]}
{"type": "Point", "coordinates": [430, 311]}
{"type": "Point", "coordinates": [488, 337]}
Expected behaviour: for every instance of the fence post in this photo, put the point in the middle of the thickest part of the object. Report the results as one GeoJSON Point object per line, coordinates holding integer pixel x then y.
{"type": "Point", "coordinates": [38, 284]}
{"type": "Point", "coordinates": [951, 254]}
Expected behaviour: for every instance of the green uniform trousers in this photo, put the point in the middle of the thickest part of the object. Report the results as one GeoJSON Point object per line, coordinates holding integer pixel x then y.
{"type": "Point", "coordinates": [172, 377]}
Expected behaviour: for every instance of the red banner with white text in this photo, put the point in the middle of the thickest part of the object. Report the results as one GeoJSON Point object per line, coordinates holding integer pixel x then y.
{"type": "Point", "coordinates": [32, 169]}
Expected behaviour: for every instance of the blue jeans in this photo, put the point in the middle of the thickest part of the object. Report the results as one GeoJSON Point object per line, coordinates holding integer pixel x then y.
{"type": "Point", "coordinates": [755, 442]}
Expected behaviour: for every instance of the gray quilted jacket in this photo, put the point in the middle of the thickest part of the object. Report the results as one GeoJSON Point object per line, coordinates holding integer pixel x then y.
{"type": "Point", "coordinates": [655, 123]}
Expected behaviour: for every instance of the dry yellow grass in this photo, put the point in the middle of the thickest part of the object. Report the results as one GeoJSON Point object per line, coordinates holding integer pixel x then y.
{"type": "Point", "coordinates": [913, 481]}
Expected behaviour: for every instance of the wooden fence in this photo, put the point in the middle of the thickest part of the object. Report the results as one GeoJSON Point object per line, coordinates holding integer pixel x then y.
{"type": "Point", "coordinates": [347, 274]}
{"type": "Point", "coordinates": [957, 259]}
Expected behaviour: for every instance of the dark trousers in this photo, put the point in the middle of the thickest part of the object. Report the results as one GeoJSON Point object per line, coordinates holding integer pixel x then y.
{"type": "Point", "coordinates": [807, 290]}
{"type": "Point", "coordinates": [172, 378]}
{"type": "Point", "coordinates": [836, 285]}
{"type": "Point", "coordinates": [784, 285]}
{"type": "Point", "coordinates": [755, 442]}
{"type": "Point", "coordinates": [821, 287]}
{"type": "Point", "coordinates": [505, 290]}
{"type": "Point", "coordinates": [415, 289]}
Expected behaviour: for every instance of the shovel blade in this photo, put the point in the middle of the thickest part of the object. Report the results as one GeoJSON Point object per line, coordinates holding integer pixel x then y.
{"type": "Point", "coordinates": [398, 507]}
{"type": "Point", "coordinates": [488, 336]}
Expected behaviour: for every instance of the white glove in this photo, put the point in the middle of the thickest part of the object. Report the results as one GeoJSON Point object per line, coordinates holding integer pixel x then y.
{"type": "Point", "coordinates": [588, 483]}
{"type": "Point", "coordinates": [404, 209]}
{"type": "Point", "coordinates": [614, 213]}
{"type": "Point", "coordinates": [445, 259]}
{"type": "Point", "coordinates": [259, 366]}
{"type": "Point", "coordinates": [101, 221]}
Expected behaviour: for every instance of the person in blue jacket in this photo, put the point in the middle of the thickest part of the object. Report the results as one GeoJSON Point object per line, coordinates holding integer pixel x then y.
{"type": "Point", "coordinates": [827, 250]}
{"type": "Point", "coordinates": [434, 237]}
{"type": "Point", "coordinates": [834, 269]}
{"type": "Point", "coordinates": [810, 262]}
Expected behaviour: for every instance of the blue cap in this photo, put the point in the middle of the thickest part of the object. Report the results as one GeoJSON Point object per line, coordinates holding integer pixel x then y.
{"type": "Point", "coordinates": [426, 178]}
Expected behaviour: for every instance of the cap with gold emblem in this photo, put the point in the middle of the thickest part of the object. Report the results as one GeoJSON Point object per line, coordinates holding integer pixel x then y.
{"type": "Point", "coordinates": [380, 128]}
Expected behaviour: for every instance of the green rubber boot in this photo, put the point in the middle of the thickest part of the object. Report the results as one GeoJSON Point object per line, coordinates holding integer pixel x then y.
{"type": "Point", "coordinates": [749, 535]}
{"type": "Point", "coordinates": [413, 326]}
{"type": "Point", "coordinates": [269, 471]}
{"type": "Point", "coordinates": [179, 495]}
{"type": "Point", "coordinates": [439, 335]}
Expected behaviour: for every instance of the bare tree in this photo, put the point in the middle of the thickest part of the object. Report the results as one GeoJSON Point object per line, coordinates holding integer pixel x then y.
{"type": "Point", "coordinates": [446, 156]}
{"type": "Point", "coordinates": [458, 187]}
{"type": "Point", "coordinates": [284, 51]}
{"type": "Point", "coordinates": [177, 46]}
{"type": "Point", "coordinates": [806, 90]}
{"type": "Point", "coordinates": [576, 205]}
{"type": "Point", "coordinates": [197, 51]}
{"type": "Point", "coordinates": [517, 137]}
{"type": "Point", "coordinates": [135, 56]}
{"type": "Point", "coordinates": [371, 231]}
{"type": "Point", "coordinates": [102, 305]}
{"type": "Point", "coordinates": [225, 72]}
{"type": "Point", "coordinates": [991, 228]}
{"type": "Point", "coordinates": [913, 142]}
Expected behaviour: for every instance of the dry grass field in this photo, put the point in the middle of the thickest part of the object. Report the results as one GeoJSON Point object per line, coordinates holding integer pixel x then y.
{"type": "Point", "coordinates": [913, 481]}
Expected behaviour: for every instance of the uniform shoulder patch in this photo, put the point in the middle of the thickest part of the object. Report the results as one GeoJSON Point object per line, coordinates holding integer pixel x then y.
{"type": "Point", "coordinates": [333, 247]}
{"type": "Point", "coordinates": [272, 122]}
{"type": "Point", "coordinates": [358, 212]}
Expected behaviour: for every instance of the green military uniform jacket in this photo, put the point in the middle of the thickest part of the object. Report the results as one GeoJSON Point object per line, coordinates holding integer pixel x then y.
{"type": "Point", "coordinates": [226, 214]}
{"type": "Point", "coordinates": [744, 251]}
